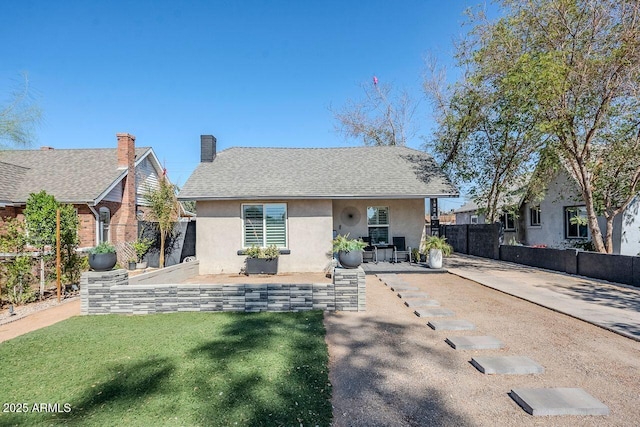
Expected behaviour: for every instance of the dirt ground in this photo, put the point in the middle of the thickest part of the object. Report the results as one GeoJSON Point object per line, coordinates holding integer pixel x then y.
{"type": "Point", "coordinates": [388, 368]}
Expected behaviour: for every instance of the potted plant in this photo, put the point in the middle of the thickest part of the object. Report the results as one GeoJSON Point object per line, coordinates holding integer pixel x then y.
{"type": "Point", "coordinates": [102, 257]}
{"type": "Point", "coordinates": [349, 250]}
{"type": "Point", "coordinates": [262, 260]}
{"type": "Point", "coordinates": [436, 247]}
{"type": "Point", "coordinates": [415, 255]}
{"type": "Point", "coordinates": [131, 263]}
{"type": "Point", "coordinates": [141, 246]}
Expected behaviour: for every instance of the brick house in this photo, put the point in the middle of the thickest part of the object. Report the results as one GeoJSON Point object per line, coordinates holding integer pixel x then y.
{"type": "Point", "coordinates": [105, 185]}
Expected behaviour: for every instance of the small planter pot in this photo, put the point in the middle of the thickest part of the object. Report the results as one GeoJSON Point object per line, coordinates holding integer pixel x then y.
{"type": "Point", "coordinates": [141, 265]}
{"type": "Point", "coordinates": [102, 262]}
{"type": "Point", "coordinates": [351, 259]}
{"type": "Point", "coordinates": [435, 258]}
{"type": "Point", "coordinates": [131, 265]}
{"type": "Point", "coordinates": [262, 266]}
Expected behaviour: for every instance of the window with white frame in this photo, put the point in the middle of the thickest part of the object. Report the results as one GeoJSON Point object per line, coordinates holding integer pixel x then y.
{"type": "Point", "coordinates": [264, 224]}
{"type": "Point", "coordinates": [534, 216]}
{"type": "Point", "coordinates": [104, 225]}
{"type": "Point", "coordinates": [378, 223]}
{"type": "Point", "coordinates": [508, 221]}
{"type": "Point", "coordinates": [474, 219]}
{"type": "Point", "coordinates": [575, 222]}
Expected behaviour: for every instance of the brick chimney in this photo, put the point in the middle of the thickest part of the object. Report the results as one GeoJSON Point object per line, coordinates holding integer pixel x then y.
{"type": "Point", "coordinates": [207, 148]}
{"type": "Point", "coordinates": [127, 224]}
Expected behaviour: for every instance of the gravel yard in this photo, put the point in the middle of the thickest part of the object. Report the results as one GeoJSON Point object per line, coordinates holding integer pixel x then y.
{"type": "Point", "coordinates": [388, 368]}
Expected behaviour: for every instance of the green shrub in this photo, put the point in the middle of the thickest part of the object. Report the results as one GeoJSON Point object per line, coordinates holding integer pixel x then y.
{"type": "Point", "coordinates": [270, 252]}
{"type": "Point", "coordinates": [19, 280]}
{"type": "Point", "coordinates": [103, 248]}
{"type": "Point", "coordinates": [345, 244]}
{"type": "Point", "coordinates": [437, 242]}
{"type": "Point", "coordinates": [142, 246]}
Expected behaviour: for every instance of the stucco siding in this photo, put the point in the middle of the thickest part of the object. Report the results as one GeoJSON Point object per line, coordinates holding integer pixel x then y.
{"type": "Point", "coordinates": [406, 218]}
{"type": "Point", "coordinates": [630, 229]}
{"type": "Point", "coordinates": [219, 236]}
{"type": "Point", "coordinates": [560, 193]}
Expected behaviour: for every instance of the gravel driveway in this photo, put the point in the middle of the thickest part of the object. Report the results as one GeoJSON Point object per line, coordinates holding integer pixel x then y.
{"type": "Point", "coordinates": [388, 368]}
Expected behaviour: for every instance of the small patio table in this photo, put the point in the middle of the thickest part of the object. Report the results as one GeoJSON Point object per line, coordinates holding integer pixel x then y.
{"type": "Point", "coordinates": [384, 246]}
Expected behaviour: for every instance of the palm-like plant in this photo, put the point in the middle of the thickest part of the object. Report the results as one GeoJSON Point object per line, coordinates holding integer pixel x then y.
{"type": "Point", "coordinates": [164, 209]}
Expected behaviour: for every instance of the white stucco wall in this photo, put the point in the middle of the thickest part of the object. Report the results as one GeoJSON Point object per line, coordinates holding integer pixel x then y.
{"type": "Point", "coordinates": [561, 192]}
{"type": "Point", "coordinates": [465, 218]}
{"type": "Point", "coordinates": [406, 218]}
{"type": "Point", "coordinates": [219, 236]}
{"type": "Point", "coordinates": [630, 229]}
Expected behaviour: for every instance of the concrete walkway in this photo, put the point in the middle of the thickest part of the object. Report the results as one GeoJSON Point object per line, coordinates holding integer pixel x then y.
{"type": "Point", "coordinates": [611, 306]}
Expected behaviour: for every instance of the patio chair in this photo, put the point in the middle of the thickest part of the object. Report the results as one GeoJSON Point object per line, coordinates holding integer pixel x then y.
{"type": "Point", "coordinates": [401, 252]}
{"type": "Point", "coordinates": [370, 252]}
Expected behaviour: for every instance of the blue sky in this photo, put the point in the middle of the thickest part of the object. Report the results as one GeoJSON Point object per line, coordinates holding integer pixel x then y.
{"type": "Point", "coordinates": [252, 73]}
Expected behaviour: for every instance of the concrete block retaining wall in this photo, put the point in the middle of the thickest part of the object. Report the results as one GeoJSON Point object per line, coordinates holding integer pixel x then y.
{"type": "Point", "coordinates": [614, 268]}
{"type": "Point", "coordinates": [112, 292]}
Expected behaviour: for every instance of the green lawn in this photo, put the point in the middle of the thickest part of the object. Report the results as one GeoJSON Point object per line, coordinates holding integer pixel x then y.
{"type": "Point", "coordinates": [222, 369]}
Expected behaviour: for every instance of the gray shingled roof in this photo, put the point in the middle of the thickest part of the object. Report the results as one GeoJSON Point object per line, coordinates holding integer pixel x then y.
{"type": "Point", "coordinates": [355, 172]}
{"type": "Point", "coordinates": [71, 175]}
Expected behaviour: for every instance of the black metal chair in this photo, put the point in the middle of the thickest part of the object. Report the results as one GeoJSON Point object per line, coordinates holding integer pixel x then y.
{"type": "Point", "coordinates": [370, 252]}
{"type": "Point", "coordinates": [401, 251]}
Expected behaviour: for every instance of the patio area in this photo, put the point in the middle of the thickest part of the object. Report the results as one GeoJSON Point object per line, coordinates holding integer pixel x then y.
{"type": "Point", "coordinates": [399, 268]}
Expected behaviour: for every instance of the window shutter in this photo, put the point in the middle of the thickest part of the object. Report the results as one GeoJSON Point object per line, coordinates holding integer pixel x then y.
{"type": "Point", "coordinates": [276, 224]}
{"type": "Point", "coordinates": [253, 225]}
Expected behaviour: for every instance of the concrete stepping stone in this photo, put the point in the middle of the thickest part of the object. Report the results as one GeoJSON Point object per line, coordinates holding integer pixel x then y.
{"type": "Point", "coordinates": [389, 279]}
{"type": "Point", "coordinates": [558, 401]}
{"type": "Point", "coordinates": [434, 312]}
{"type": "Point", "coordinates": [422, 302]}
{"type": "Point", "coordinates": [414, 295]}
{"type": "Point", "coordinates": [397, 288]}
{"type": "Point", "coordinates": [474, 342]}
{"type": "Point", "coordinates": [451, 325]}
{"type": "Point", "coordinates": [385, 276]}
{"type": "Point", "coordinates": [517, 365]}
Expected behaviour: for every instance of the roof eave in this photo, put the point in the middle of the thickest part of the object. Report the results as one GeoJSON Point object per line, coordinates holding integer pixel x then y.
{"type": "Point", "coordinates": [318, 197]}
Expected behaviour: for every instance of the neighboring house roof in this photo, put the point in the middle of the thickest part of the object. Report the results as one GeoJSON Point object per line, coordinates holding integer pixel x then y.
{"type": "Point", "coordinates": [10, 176]}
{"type": "Point", "coordinates": [71, 175]}
{"type": "Point", "coordinates": [469, 206]}
{"type": "Point", "coordinates": [286, 173]}
{"type": "Point", "coordinates": [514, 197]}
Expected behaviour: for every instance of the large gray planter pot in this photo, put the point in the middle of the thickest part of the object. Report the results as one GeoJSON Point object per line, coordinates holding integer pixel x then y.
{"type": "Point", "coordinates": [351, 259]}
{"type": "Point", "coordinates": [102, 262]}
{"type": "Point", "coordinates": [261, 266]}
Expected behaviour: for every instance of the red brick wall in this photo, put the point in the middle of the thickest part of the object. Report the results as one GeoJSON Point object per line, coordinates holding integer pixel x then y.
{"type": "Point", "coordinates": [124, 224]}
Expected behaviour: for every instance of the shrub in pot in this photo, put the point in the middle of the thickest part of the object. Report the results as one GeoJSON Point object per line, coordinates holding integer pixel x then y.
{"type": "Point", "coordinates": [262, 260]}
{"type": "Point", "coordinates": [349, 250]}
{"type": "Point", "coordinates": [102, 257]}
{"type": "Point", "coordinates": [142, 246]}
{"type": "Point", "coordinates": [415, 255]}
{"type": "Point", "coordinates": [436, 247]}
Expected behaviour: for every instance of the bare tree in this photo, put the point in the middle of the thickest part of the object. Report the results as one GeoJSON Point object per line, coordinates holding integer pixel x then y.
{"type": "Point", "coordinates": [19, 116]}
{"type": "Point", "coordinates": [382, 117]}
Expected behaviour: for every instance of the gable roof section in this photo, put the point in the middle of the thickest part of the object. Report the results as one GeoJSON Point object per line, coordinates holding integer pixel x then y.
{"type": "Point", "coordinates": [10, 176]}
{"type": "Point", "coordinates": [317, 173]}
{"type": "Point", "coordinates": [71, 175]}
